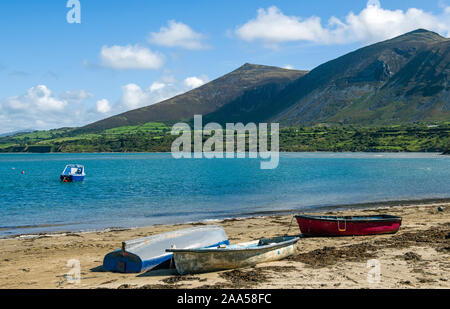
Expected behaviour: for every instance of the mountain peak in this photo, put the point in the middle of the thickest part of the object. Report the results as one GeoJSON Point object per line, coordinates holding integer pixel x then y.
{"type": "Point", "coordinates": [421, 30]}
{"type": "Point", "coordinates": [403, 79]}
{"type": "Point", "coordinates": [421, 34]}
{"type": "Point", "coordinates": [205, 99]}
{"type": "Point", "coordinates": [250, 66]}
{"type": "Point", "coordinates": [399, 80]}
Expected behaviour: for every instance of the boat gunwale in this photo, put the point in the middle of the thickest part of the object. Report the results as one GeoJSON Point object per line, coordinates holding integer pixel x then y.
{"type": "Point", "coordinates": [359, 219]}
{"type": "Point", "coordinates": [243, 249]}
{"type": "Point", "coordinates": [144, 241]}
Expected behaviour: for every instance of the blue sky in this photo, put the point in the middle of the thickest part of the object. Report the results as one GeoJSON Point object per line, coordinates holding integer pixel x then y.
{"type": "Point", "coordinates": [127, 54]}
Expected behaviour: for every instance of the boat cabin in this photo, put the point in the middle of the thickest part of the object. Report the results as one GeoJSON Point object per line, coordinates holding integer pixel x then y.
{"type": "Point", "coordinates": [73, 172]}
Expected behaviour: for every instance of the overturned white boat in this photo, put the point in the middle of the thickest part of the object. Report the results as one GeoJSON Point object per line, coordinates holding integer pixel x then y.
{"type": "Point", "coordinates": [143, 254]}
{"type": "Point", "coordinates": [191, 261]}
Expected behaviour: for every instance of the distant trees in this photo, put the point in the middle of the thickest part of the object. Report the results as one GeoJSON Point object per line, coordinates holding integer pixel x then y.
{"type": "Point", "coordinates": [339, 138]}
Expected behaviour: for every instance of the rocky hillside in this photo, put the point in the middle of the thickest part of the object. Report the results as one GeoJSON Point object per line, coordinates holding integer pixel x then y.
{"type": "Point", "coordinates": [405, 79]}
{"type": "Point", "coordinates": [402, 80]}
{"type": "Point", "coordinates": [205, 99]}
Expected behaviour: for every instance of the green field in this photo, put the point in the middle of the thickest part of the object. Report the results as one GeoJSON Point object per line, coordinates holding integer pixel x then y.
{"type": "Point", "coordinates": [156, 137]}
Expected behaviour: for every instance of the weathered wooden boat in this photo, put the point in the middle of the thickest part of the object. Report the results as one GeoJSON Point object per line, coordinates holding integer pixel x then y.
{"type": "Point", "coordinates": [348, 225]}
{"type": "Point", "coordinates": [73, 172]}
{"type": "Point", "coordinates": [191, 261]}
{"type": "Point", "coordinates": [143, 254]}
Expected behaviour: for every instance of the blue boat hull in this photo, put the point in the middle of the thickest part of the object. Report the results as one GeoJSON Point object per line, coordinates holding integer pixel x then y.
{"type": "Point", "coordinates": [131, 263]}
{"type": "Point", "coordinates": [144, 254]}
{"type": "Point", "coordinates": [71, 178]}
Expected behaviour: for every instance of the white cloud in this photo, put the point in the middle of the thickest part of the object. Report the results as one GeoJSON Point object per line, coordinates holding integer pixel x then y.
{"type": "Point", "coordinates": [273, 27]}
{"type": "Point", "coordinates": [157, 86]}
{"type": "Point", "coordinates": [76, 95]}
{"type": "Point", "coordinates": [38, 98]}
{"type": "Point", "coordinates": [370, 25]}
{"type": "Point", "coordinates": [178, 34]}
{"type": "Point", "coordinates": [195, 82]}
{"type": "Point", "coordinates": [133, 96]}
{"type": "Point", "coordinates": [103, 106]}
{"type": "Point", "coordinates": [40, 109]}
{"type": "Point", "coordinates": [130, 57]}
{"type": "Point", "coordinates": [288, 67]}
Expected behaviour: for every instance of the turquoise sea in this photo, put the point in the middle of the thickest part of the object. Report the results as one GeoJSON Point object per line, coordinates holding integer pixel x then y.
{"type": "Point", "coordinates": [130, 190]}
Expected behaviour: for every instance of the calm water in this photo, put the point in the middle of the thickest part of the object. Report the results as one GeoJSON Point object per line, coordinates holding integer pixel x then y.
{"type": "Point", "coordinates": [128, 190]}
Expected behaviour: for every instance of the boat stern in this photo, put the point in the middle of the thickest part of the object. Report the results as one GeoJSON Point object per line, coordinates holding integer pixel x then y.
{"type": "Point", "coordinates": [122, 262]}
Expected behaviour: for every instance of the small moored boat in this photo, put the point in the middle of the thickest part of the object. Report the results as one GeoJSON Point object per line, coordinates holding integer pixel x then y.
{"type": "Point", "coordinates": [143, 254]}
{"type": "Point", "coordinates": [191, 261]}
{"type": "Point", "coordinates": [348, 225]}
{"type": "Point", "coordinates": [73, 172]}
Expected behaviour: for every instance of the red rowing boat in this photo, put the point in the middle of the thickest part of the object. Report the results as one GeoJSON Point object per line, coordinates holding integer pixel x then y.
{"type": "Point", "coordinates": [348, 226]}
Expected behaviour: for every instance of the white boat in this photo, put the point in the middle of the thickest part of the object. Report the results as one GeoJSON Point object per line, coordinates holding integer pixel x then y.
{"type": "Point", "coordinates": [191, 261]}
{"type": "Point", "coordinates": [143, 254]}
{"type": "Point", "coordinates": [72, 173]}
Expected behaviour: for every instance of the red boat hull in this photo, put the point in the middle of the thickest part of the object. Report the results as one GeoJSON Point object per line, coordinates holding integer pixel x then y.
{"type": "Point", "coordinates": [348, 226]}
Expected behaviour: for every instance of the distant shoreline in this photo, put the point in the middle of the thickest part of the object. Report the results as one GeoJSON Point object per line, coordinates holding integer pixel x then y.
{"type": "Point", "coordinates": [248, 215]}
{"type": "Point", "coordinates": [286, 152]}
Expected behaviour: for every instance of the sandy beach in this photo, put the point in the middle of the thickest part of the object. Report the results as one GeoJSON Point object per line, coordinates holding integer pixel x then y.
{"type": "Point", "coordinates": [416, 257]}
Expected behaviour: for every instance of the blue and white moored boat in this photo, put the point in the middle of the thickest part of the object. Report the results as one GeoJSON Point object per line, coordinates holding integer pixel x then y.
{"type": "Point", "coordinates": [192, 261]}
{"type": "Point", "coordinates": [73, 172]}
{"type": "Point", "coordinates": [144, 254]}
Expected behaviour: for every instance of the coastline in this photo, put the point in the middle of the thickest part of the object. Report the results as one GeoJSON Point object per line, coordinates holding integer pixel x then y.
{"type": "Point", "coordinates": [146, 201]}
{"type": "Point", "coordinates": [281, 152]}
{"type": "Point", "coordinates": [417, 256]}
{"type": "Point", "coordinates": [247, 215]}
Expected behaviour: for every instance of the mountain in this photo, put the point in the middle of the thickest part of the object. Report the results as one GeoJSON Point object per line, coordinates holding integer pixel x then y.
{"type": "Point", "coordinates": [16, 132]}
{"type": "Point", "coordinates": [402, 80]}
{"type": "Point", "coordinates": [205, 99]}
{"type": "Point", "coordinates": [399, 81]}
{"type": "Point", "coordinates": [405, 79]}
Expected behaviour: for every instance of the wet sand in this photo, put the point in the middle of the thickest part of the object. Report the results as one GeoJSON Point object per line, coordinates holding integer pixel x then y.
{"type": "Point", "coordinates": [418, 256]}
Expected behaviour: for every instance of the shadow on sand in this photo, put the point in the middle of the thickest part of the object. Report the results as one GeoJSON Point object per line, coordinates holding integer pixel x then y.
{"type": "Point", "coordinates": [151, 273]}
